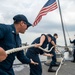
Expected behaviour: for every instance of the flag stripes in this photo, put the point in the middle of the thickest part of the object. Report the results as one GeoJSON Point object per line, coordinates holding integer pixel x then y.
{"type": "Point", "coordinates": [44, 11]}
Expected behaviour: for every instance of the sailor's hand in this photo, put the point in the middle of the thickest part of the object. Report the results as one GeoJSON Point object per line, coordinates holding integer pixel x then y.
{"type": "Point", "coordinates": [3, 54]}
{"type": "Point", "coordinates": [57, 50]}
{"type": "Point", "coordinates": [32, 62]}
{"type": "Point", "coordinates": [51, 55]}
{"type": "Point", "coordinates": [37, 45]}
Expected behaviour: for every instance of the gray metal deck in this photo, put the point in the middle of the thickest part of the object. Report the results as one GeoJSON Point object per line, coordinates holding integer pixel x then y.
{"type": "Point", "coordinates": [68, 68]}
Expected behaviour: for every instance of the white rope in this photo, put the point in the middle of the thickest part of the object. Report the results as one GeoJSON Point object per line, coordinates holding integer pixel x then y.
{"type": "Point", "coordinates": [59, 66]}
{"type": "Point", "coordinates": [46, 49]}
{"type": "Point", "coordinates": [25, 47]}
{"type": "Point", "coordinates": [62, 59]}
{"type": "Point", "coordinates": [18, 49]}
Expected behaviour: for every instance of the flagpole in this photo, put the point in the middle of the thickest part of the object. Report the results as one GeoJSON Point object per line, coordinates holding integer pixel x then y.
{"type": "Point", "coordinates": [62, 25]}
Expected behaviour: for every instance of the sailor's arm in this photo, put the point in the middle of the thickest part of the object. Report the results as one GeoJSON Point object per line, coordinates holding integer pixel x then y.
{"type": "Point", "coordinates": [46, 54]}
{"type": "Point", "coordinates": [42, 39]}
{"type": "Point", "coordinates": [52, 42]}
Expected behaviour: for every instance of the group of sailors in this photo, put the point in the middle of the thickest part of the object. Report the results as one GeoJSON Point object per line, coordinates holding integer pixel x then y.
{"type": "Point", "coordinates": [9, 38]}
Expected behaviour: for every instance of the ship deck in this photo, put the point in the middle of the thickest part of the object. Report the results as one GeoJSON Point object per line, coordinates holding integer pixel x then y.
{"type": "Point", "coordinates": [67, 68]}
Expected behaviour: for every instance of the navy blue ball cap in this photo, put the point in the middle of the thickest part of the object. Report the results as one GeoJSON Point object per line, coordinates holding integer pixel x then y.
{"type": "Point", "coordinates": [21, 17]}
{"type": "Point", "coordinates": [49, 35]}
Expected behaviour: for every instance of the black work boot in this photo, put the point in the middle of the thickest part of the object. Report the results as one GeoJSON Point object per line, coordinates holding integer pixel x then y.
{"type": "Point", "coordinates": [50, 69]}
{"type": "Point", "coordinates": [57, 64]}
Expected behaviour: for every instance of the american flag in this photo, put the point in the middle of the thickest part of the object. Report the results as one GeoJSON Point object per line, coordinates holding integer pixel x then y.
{"type": "Point", "coordinates": [49, 6]}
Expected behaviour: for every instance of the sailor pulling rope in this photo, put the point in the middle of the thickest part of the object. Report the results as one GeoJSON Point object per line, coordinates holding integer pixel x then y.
{"type": "Point", "coordinates": [25, 47]}
{"type": "Point", "coordinates": [3, 53]}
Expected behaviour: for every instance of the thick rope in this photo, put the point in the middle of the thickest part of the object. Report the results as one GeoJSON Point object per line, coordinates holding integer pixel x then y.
{"type": "Point", "coordinates": [25, 47]}
{"type": "Point", "coordinates": [46, 49]}
{"type": "Point", "coordinates": [18, 49]}
{"type": "Point", "coordinates": [62, 59]}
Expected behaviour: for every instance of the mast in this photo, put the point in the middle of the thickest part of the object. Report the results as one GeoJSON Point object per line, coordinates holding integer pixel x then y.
{"type": "Point", "coordinates": [62, 25]}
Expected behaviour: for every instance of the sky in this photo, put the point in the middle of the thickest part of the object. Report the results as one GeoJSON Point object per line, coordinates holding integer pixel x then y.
{"type": "Point", "coordinates": [49, 23]}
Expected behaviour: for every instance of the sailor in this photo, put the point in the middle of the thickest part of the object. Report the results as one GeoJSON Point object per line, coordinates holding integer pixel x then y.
{"type": "Point", "coordinates": [73, 42]}
{"type": "Point", "coordinates": [33, 52]}
{"type": "Point", "coordinates": [54, 61]}
{"type": "Point", "coordinates": [9, 38]}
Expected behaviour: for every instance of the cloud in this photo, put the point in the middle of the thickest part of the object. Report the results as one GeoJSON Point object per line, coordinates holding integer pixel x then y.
{"type": "Point", "coordinates": [49, 23]}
